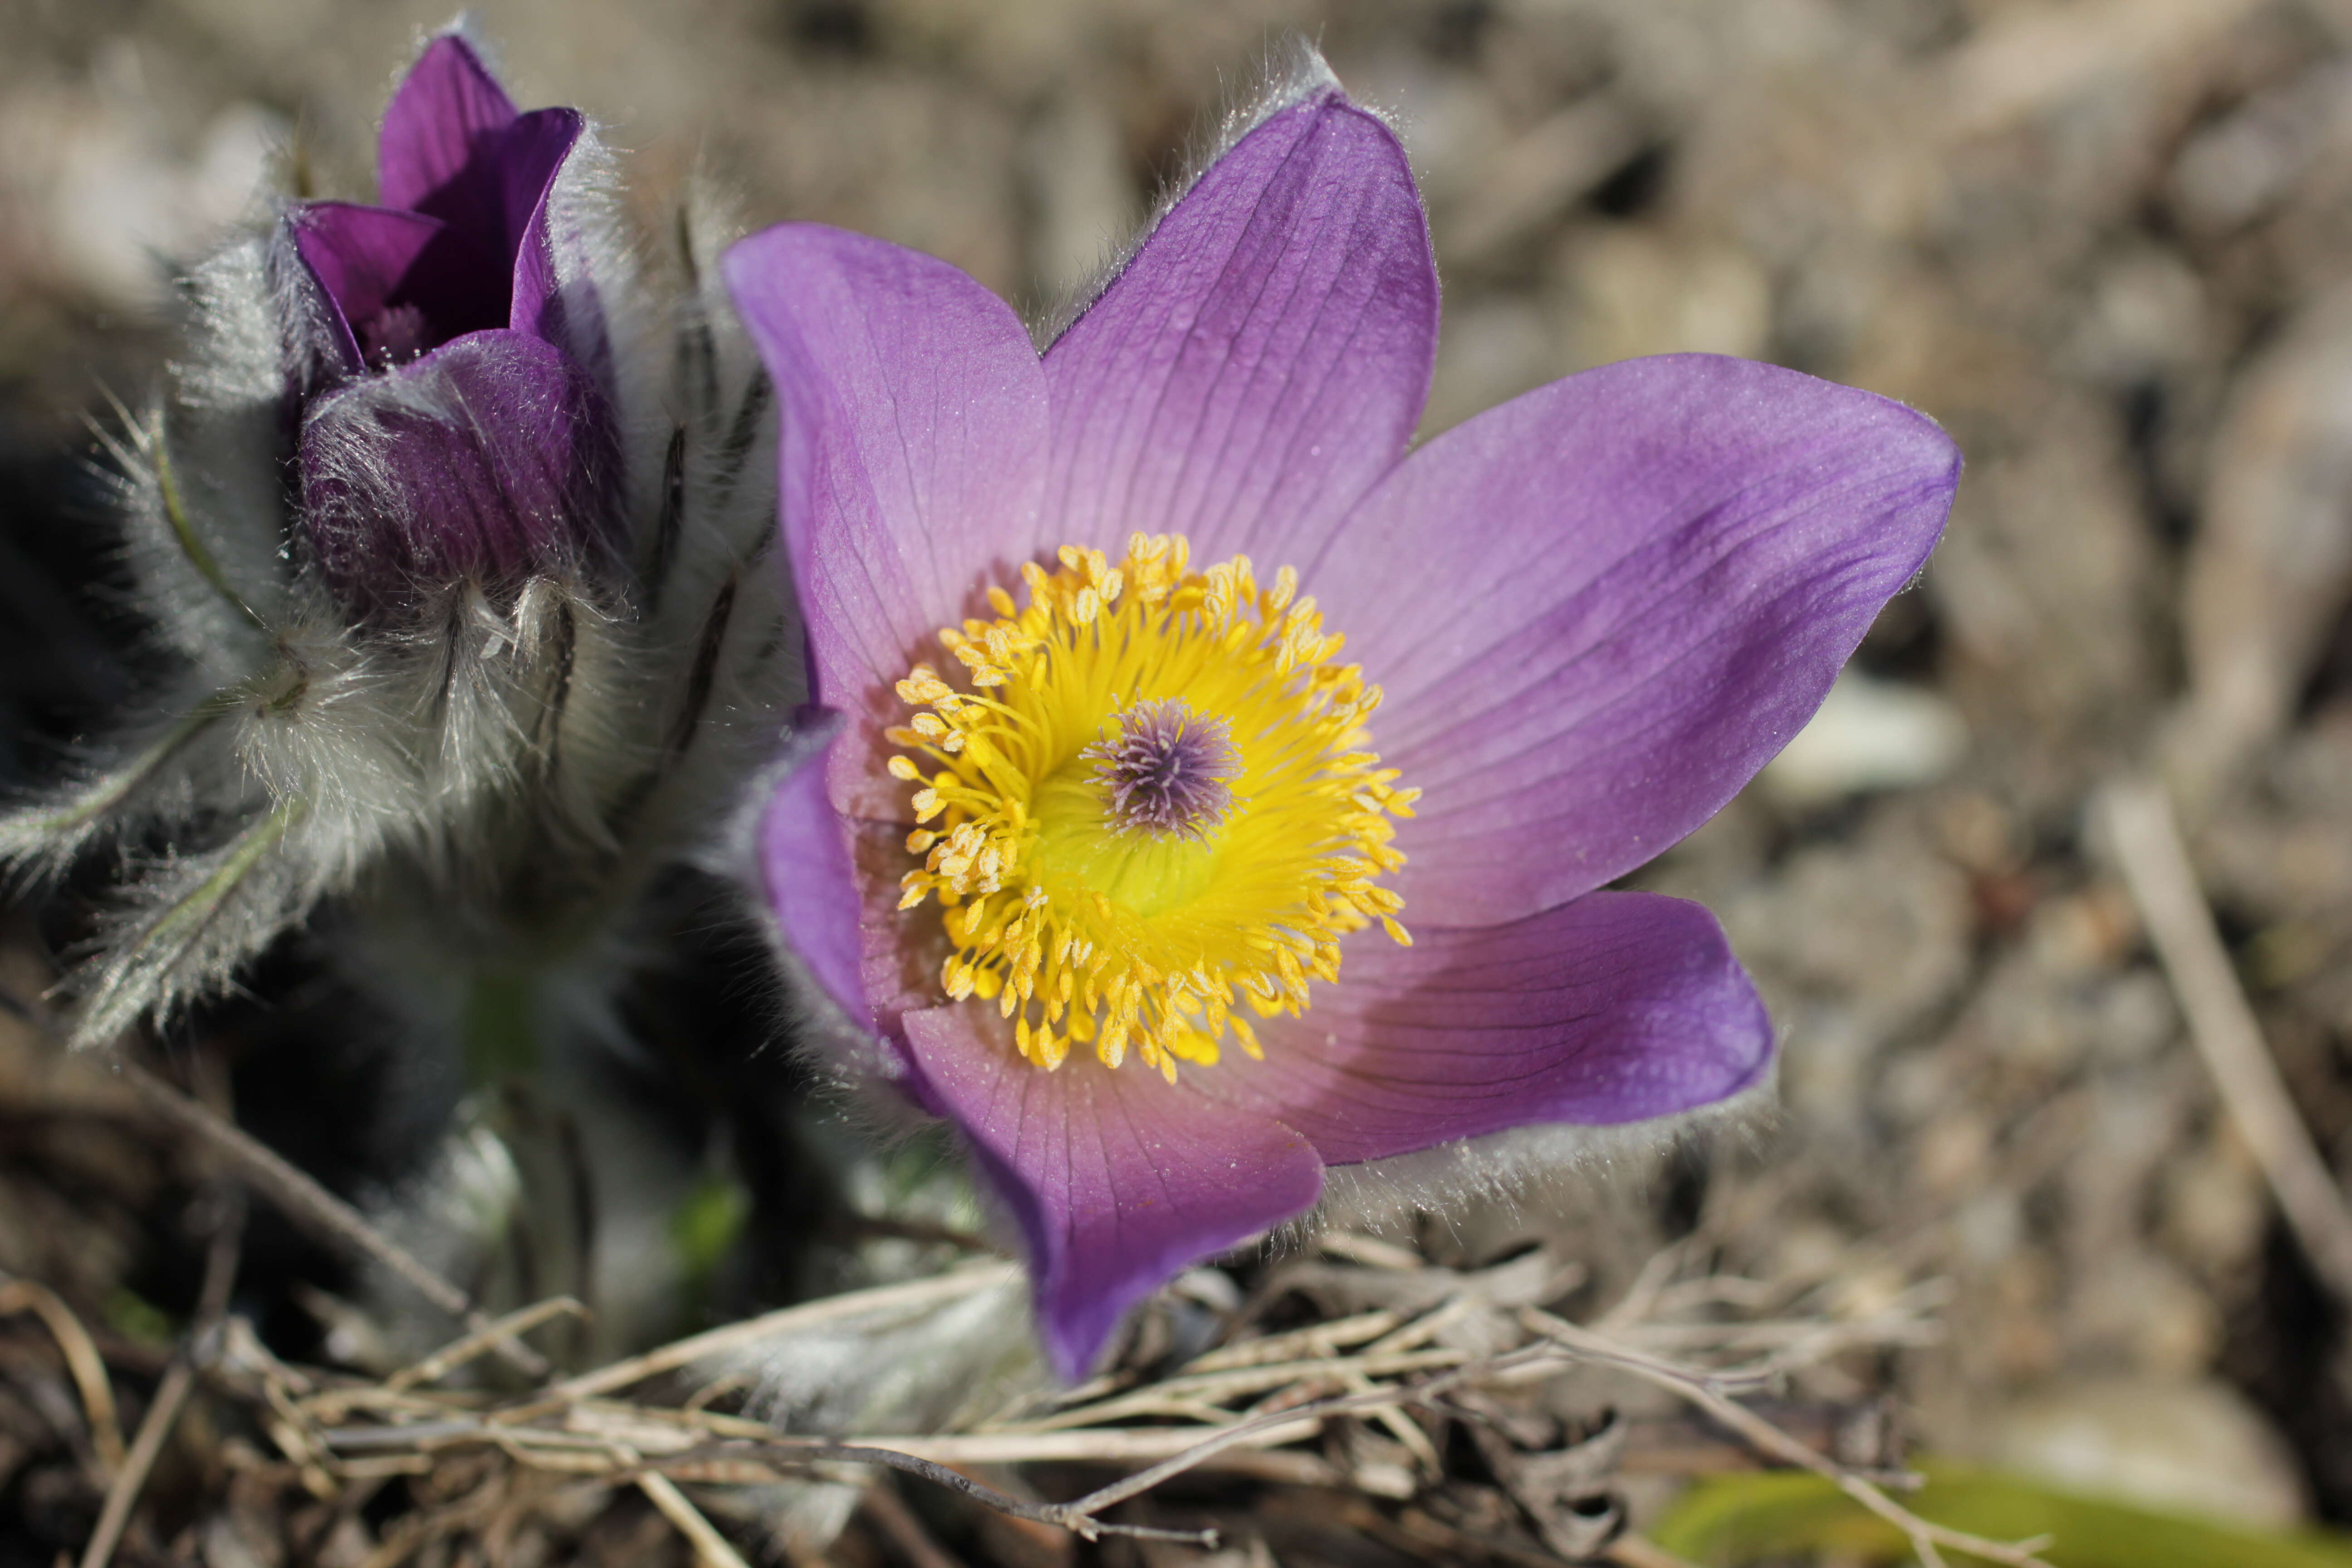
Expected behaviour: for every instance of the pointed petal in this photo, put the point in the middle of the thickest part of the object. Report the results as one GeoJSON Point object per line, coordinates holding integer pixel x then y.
{"type": "Point", "coordinates": [1618, 1007]}
{"type": "Point", "coordinates": [369, 258]}
{"type": "Point", "coordinates": [1265, 356]}
{"type": "Point", "coordinates": [455, 148]}
{"type": "Point", "coordinates": [360, 253]}
{"type": "Point", "coordinates": [804, 861]}
{"type": "Point", "coordinates": [318, 347]}
{"type": "Point", "coordinates": [1118, 1179]}
{"type": "Point", "coordinates": [831, 882]}
{"type": "Point", "coordinates": [520, 173]}
{"type": "Point", "coordinates": [1598, 610]}
{"type": "Point", "coordinates": [914, 442]}
{"type": "Point", "coordinates": [492, 456]}
{"type": "Point", "coordinates": [439, 112]}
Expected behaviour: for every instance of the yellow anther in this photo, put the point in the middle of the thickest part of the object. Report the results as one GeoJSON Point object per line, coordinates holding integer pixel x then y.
{"type": "Point", "coordinates": [1247, 1037]}
{"type": "Point", "coordinates": [923, 685]}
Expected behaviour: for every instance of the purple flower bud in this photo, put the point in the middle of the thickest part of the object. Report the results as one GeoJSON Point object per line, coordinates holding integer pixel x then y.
{"type": "Point", "coordinates": [457, 536]}
{"type": "Point", "coordinates": [453, 394]}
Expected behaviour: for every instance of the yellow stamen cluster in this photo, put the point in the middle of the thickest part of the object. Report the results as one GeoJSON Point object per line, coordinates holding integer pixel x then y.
{"type": "Point", "coordinates": [1081, 930]}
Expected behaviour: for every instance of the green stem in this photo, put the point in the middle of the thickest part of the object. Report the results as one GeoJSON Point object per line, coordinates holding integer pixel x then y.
{"type": "Point", "coordinates": [501, 1041]}
{"type": "Point", "coordinates": [113, 790]}
{"type": "Point", "coordinates": [187, 918]}
{"type": "Point", "coordinates": [200, 555]}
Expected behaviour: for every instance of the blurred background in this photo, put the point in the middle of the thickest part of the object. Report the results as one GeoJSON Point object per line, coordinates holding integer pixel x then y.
{"type": "Point", "coordinates": [2106, 243]}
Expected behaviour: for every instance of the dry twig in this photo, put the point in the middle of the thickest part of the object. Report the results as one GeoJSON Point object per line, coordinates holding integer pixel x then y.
{"type": "Point", "coordinates": [1700, 1389]}
{"type": "Point", "coordinates": [172, 1392]}
{"type": "Point", "coordinates": [970, 1279]}
{"type": "Point", "coordinates": [710, 1548]}
{"type": "Point", "coordinates": [1374, 1365]}
{"type": "Point", "coordinates": [2147, 840]}
{"type": "Point", "coordinates": [449, 1358]}
{"type": "Point", "coordinates": [898, 1522]}
{"type": "Point", "coordinates": [82, 1361]}
{"type": "Point", "coordinates": [316, 1209]}
{"type": "Point", "coordinates": [1377, 1366]}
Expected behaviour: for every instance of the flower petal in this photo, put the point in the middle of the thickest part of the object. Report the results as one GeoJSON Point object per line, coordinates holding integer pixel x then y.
{"type": "Point", "coordinates": [804, 862]}
{"type": "Point", "coordinates": [1118, 1179]}
{"type": "Point", "coordinates": [913, 447]}
{"type": "Point", "coordinates": [1598, 610]}
{"type": "Point", "coordinates": [1264, 358]}
{"type": "Point", "coordinates": [1618, 1007]}
{"type": "Point", "coordinates": [435, 120]}
{"type": "Point", "coordinates": [454, 147]}
{"type": "Point", "coordinates": [524, 161]}
{"type": "Point", "coordinates": [368, 260]}
{"type": "Point", "coordinates": [491, 456]}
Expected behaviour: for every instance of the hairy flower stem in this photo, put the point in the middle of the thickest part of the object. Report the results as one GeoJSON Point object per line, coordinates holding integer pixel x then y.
{"type": "Point", "coordinates": [167, 486]}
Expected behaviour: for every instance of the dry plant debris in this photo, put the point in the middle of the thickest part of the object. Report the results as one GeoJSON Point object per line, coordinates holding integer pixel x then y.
{"type": "Point", "coordinates": [1372, 1396]}
{"type": "Point", "coordinates": [1427, 1416]}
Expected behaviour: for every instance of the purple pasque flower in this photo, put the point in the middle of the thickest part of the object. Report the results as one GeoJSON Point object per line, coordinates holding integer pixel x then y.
{"type": "Point", "coordinates": [450, 370]}
{"type": "Point", "coordinates": [1574, 626]}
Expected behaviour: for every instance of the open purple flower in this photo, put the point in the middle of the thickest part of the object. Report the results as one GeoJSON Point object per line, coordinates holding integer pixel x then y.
{"type": "Point", "coordinates": [1116, 857]}
{"type": "Point", "coordinates": [450, 371]}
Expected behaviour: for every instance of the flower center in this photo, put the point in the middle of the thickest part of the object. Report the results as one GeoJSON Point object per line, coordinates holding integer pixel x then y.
{"type": "Point", "coordinates": [1168, 772]}
{"type": "Point", "coordinates": [393, 336]}
{"type": "Point", "coordinates": [1157, 804]}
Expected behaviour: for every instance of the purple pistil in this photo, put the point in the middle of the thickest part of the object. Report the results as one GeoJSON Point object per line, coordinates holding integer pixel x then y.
{"type": "Point", "coordinates": [1170, 771]}
{"type": "Point", "coordinates": [393, 336]}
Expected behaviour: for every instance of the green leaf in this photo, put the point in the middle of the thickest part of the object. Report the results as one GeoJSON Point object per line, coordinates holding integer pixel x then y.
{"type": "Point", "coordinates": [1728, 1522]}
{"type": "Point", "coordinates": [707, 1222]}
{"type": "Point", "coordinates": [134, 1317]}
